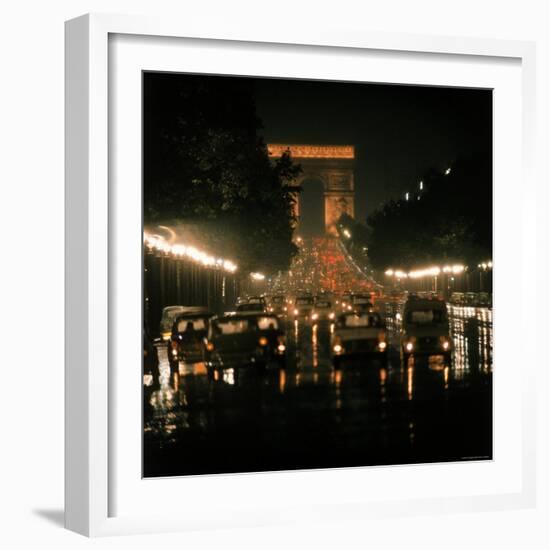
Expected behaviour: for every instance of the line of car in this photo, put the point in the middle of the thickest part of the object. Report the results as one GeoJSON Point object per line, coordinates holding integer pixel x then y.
{"type": "Point", "coordinates": [471, 299]}
{"type": "Point", "coordinates": [248, 336]}
{"type": "Point", "coordinates": [254, 333]}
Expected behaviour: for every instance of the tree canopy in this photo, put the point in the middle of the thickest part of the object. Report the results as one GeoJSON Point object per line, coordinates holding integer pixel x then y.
{"type": "Point", "coordinates": [449, 220]}
{"type": "Point", "coordinates": [205, 163]}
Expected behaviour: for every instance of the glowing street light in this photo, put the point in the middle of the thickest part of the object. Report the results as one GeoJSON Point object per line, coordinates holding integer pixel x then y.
{"type": "Point", "coordinates": [157, 242]}
{"type": "Point", "coordinates": [448, 171]}
{"type": "Point", "coordinates": [432, 271]}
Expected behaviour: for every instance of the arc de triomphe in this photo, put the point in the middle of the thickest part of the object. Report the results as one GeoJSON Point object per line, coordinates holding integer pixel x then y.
{"type": "Point", "coordinates": [333, 165]}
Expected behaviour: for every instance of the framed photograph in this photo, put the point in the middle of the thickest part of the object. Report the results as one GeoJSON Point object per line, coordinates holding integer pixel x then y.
{"type": "Point", "coordinates": [290, 264]}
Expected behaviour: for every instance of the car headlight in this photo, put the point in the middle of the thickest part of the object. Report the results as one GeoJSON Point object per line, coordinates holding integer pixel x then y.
{"type": "Point", "coordinates": [263, 341]}
{"type": "Point", "coordinates": [281, 348]}
{"type": "Point", "coordinates": [382, 346]}
{"type": "Point", "coordinates": [409, 346]}
{"type": "Point", "coordinates": [445, 342]}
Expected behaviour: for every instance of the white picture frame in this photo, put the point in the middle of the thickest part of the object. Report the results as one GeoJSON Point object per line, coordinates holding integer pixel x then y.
{"type": "Point", "coordinates": [90, 398]}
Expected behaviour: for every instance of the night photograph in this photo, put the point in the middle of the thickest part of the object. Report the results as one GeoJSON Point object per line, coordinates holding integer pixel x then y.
{"type": "Point", "coordinates": [317, 274]}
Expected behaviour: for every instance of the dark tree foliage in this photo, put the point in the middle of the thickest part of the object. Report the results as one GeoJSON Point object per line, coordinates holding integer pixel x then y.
{"type": "Point", "coordinates": [206, 164]}
{"type": "Point", "coordinates": [449, 221]}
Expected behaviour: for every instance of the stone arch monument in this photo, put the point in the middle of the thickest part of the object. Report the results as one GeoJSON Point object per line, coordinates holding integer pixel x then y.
{"type": "Point", "coordinates": [333, 165]}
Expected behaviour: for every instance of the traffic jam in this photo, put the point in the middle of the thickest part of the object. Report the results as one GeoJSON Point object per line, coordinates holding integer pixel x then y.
{"type": "Point", "coordinates": [259, 332]}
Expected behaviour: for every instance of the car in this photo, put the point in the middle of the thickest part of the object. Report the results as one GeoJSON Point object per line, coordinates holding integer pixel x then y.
{"type": "Point", "coordinates": [425, 329]}
{"type": "Point", "coordinates": [257, 300]}
{"type": "Point", "coordinates": [359, 334]}
{"type": "Point", "coordinates": [243, 341]}
{"type": "Point", "coordinates": [361, 302]}
{"type": "Point", "coordinates": [484, 299]}
{"type": "Point", "coordinates": [272, 337]}
{"type": "Point", "coordinates": [251, 307]}
{"type": "Point", "coordinates": [457, 298]}
{"type": "Point", "coordinates": [167, 319]}
{"type": "Point", "coordinates": [303, 306]}
{"type": "Point", "coordinates": [277, 305]}
{"type": "Point", "coordinates": [322, 310]}
{"type": "Point", "coordinates": [394, 296]}
{"type": "Point", "coordinates": [187, 339]}
{"type": "Point", "coordinates": [345, 302]}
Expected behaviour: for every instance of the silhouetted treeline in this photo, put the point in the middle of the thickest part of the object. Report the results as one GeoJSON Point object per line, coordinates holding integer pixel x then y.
{"type": "Point", "coordinates": [450, 220]}
{"type": "Point", "coordinates": [205, 163]}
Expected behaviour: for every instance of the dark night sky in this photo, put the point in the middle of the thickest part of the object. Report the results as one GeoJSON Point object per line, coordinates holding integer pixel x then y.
{"type": "Point", "coordinates": [399, 131]}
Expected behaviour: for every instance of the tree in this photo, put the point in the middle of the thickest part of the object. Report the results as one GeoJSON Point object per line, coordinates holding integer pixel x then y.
{"type": "Point", "coordinates": [206, 164]}
{"type": "Point", "coordinates": [449, 221]}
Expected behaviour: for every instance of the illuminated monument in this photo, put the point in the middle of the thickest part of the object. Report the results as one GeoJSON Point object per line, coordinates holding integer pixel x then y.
{"type": "Point", "coordinates": [333, 165]}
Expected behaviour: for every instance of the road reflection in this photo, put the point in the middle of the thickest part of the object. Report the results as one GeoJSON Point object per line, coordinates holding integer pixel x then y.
{"type": "Point", "coordinates": [311, 415]}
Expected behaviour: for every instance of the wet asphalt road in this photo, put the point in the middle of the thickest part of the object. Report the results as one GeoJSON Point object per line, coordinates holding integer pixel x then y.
{"type": "Point", "coordinates": [313, 416]}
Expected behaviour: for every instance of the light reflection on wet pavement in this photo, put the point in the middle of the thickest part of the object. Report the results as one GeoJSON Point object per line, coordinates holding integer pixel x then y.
{"type": "Point", "coordinates": [313, 416]}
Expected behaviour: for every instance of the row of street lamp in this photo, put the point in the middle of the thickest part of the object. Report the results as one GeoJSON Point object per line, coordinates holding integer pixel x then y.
{"type": "Point", "coordinates": [434, 271]}
{"type": "Point", "coordinates": [178, 250]}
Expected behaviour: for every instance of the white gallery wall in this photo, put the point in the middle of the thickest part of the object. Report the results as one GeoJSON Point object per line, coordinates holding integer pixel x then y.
{"type": "Point", "coordinates": [32, 272]}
